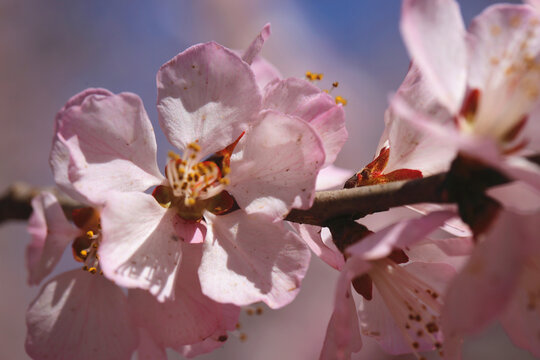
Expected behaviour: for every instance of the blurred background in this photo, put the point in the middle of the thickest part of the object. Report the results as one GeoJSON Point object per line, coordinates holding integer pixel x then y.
{"type": "Point", "coordinates": [52, 49]}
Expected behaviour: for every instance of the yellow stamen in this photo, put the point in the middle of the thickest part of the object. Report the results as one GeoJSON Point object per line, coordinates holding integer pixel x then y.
{"type": "Point", "coordinates": [190, 201]}
{"type": "Point", "coordinates": [92, 270]}
{"type": "Point", "coordinates": [84, 253]}
{"type": "Point", "coordinates": [174, 156]}
{"type": "Point", "coordinates": [341, 100]}
{"type": "Point", "coordinates": [194, 146]}
{"type": "Point", "coordinates": [313, 76]}
{"type": "Point", "coordinates": [224, 181]}
{"type": "Point", "coordinates": [90, 233]}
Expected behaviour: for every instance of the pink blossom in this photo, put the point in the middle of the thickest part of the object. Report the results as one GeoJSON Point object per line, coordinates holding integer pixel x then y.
{"type": "Point", "coordinates": [76, 313]}
{"type": "Point", "coordinates": [80, 315]}
{"type": "Point", "coordinates": [486, 79]}
{"type": "Point", "coordinates": [239, 149]}
{"type": "Point", "coordinates": [500, 281]}
{"type": "Point", "coordinates": [401, 289]}
{"type": "Point", "coordinates": [103, 142]}
{"type": "Point", "coordinates": [58, 317]}
{"type": "Point", "coordinates": [489, 84]}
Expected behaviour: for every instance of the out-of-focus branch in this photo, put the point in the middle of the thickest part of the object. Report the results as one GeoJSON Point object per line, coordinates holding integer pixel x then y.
{"type": "Point", "coordinates": [15, 202]}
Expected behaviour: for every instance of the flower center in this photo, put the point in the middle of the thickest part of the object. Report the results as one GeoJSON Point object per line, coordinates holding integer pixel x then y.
{"type": "Point", "coordinates": [191, 180]}
{"type": "Point", "coordinates": [196, 186]}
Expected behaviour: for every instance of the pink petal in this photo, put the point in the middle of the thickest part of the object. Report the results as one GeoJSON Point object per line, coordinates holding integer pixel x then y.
{"type": "Point", "coordinates": [534, 3]}
{"type": "Point", "coordinates": [103, 142]}
{"type": "Point", "coordinates": [203, 347]}
{"type": "Point", "coordinates": [520, 169]}
{"type": "Point", "coordinates": [434, 34]}
{"type": "Point", "coordinates": [192, 232]}
{"type": "Point", "coordinates": [488, 281]}
{"type": "Point", "coordinates": [256, 46]}
{"type": "Point", "coordinates": [377, 315]}
{"type": "Point", "coordinates": [531, 131]}
{"type": "Point", "coordinates": [300, 98]}
{"type": "Point", "coordinates": [264, 71]}
{"type": "Point", "coordinates": [206, 94]}
{"type": "Point", "coordinates": [521, 319]}
{"type": "Point", "coordinates": [275, 165]}
{"type": "Point", "coordinates": [452, 226]}
{"type": "Point", "coordinates": [248, 258]}
{"type": "Point", "coordinates": [452, 251]}
{"type": "Point", "coordinates": [191, 317]}
{"type": "Point", "coordinates": [343, 333]}
{"type": "Point", "coordinates": [517, 197]}
{"type": "Point", "coordinates": [82, 316]}
{"type": "Point", "coordinates": [504, 43]}
{"type": "Point", "coordinates": [400, 235]}
{"type": "Point", "coordinates": [410, 147]}
{"type": "Point", "coordinates": [51, 234]}
{"type": "Point", "coordinates": [140, 246]}
{"type": "Point", "coordinates": [326, 250]}
{"type": "Point", "coordinates": [433, 130]}
{"type": "Point", "coordinates": [148, 349]}
{"type": "Point", "coordinates": [481, 148]}
{"type": "Point", "coordinates": [332, 177]}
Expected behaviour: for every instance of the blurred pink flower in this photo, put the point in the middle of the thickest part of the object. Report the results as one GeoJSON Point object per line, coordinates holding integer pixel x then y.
{"type": "Point", "coordinates": [500, 281]}
{"type": "Point", "coordinates": [401, 277]}
{"type": "Point", "coordinates": [486, 79]}
{"type": "Point", "coordinates": [74, 305]}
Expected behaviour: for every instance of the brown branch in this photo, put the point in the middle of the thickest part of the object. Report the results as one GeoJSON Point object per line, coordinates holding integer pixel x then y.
{"type": "Point", "coordinates": [352, 203]}
{"type": "Point", "coordinates": [361, 201]}
{"type": "Point", "coordinates": [15, 202]}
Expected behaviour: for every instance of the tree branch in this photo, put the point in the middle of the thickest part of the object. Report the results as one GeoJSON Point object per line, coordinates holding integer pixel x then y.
{"type": "Point", "coordinates": [361, 201]}
{"type": "Point", "coordinates": [15, 203]}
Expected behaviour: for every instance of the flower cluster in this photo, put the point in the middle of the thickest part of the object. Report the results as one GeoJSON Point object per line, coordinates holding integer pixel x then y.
{"type": "Point", "coordinates": [208, 235]}
{"type": "Point", "coordinates": [192, 245]}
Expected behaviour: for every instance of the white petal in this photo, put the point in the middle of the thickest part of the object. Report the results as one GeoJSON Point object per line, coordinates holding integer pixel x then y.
{"type": "Point", "coordinates": [248, 258]}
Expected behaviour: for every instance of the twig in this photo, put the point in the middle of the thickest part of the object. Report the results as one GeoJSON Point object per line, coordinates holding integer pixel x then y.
{"type": "Point", "coordinates": [361, 201]}
{"type": "Point", "coordinates": [15, 202]}
{"type": "Point", "coordinates": [353, 203]}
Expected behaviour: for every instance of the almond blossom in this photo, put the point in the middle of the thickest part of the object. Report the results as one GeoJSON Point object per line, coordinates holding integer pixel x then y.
{"type": "Point", "coordinates": [74, 305]}
{"type": "Point", "coordinates": [486, 78]}
{"type": "Point", "coordinates": [246, 161]}
{"type": "Point", "coordinates": [404, 153]}
{"type": "Point", "coordinates": [191, 324]}
{"type": "Point", "coordinates": [76, 302]}
{"type": "Point", "coordinates": [118, 125]}
{"type": "Point", "coordinates": [401, 278]}
{"type": "Point", "coordinates": [499, 281]}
